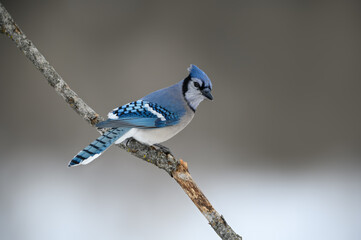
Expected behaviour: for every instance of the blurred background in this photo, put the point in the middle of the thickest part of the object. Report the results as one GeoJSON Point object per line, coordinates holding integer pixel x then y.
{"type": "Point", "coordinates": [277, 152]}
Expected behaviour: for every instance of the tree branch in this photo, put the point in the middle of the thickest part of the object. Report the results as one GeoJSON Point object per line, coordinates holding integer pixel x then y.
{"type": "Point", "coordinates": [176, 168]}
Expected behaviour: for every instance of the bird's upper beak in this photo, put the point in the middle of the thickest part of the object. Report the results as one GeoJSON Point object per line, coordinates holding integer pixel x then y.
{"type": "Point", "coordinates": [207, 93]}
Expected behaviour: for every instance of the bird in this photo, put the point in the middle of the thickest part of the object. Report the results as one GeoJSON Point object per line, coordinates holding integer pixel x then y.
{"type": "Point", "coordinates": [152, 119]}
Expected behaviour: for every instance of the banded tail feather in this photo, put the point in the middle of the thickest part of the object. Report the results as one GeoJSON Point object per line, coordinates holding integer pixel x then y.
{"type": "Point", "coordinates": [97, 147]}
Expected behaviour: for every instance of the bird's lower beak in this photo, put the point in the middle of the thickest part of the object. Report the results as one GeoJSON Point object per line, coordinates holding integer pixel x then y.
{"type": "Point", "coordinates": [207, 93]}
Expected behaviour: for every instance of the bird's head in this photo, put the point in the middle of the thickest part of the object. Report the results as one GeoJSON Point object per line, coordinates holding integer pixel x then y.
{"type": "Point", "coordinates": [196, 87]}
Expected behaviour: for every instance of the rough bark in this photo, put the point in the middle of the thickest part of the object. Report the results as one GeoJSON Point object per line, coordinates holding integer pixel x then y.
{"type": "Point", "coordinates": [176, 168]}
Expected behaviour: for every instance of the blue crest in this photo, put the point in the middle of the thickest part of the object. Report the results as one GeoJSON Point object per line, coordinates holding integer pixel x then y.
{"type": "Point", "coordinates": [196, 72]}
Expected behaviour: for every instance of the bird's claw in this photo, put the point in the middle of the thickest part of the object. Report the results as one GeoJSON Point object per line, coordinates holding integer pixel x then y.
{"type": "Point", "coordinates": [127, 142]}
{"type": "Point", "coordinates": [163, 148]}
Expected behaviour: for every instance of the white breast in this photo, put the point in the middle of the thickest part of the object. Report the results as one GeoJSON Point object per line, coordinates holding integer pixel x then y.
{"type": "Point", "coordinates": [158, 135]}
{"type": "Point", "coordinates": [152, 136]}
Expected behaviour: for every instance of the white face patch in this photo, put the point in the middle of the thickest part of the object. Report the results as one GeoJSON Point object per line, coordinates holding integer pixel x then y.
{"type": "Point", "coordinates": [197, 80]}
{"type": "Point", "coordinates": [154, 112]}
{"type": "Point", "coordinates": [193, 95]}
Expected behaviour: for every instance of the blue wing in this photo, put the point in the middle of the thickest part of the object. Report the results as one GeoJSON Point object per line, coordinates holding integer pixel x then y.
{"type": "Point", "coordinates": [140, 114]}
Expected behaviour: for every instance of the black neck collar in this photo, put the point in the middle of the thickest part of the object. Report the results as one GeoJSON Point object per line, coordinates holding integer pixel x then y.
{"type": "Point", "coordinates": [185, 89]}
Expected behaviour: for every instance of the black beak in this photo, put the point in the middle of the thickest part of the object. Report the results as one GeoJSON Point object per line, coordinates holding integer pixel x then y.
{"type": "Point", "coordinates": [207, 93]}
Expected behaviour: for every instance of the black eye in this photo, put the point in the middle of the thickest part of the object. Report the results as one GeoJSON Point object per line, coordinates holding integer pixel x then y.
{"type": "Point", "coordinates": [196, 84]}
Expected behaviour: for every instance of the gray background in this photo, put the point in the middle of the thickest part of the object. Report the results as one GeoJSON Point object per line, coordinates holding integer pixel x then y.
{"type": "Point", "coordinates": [277, 152]}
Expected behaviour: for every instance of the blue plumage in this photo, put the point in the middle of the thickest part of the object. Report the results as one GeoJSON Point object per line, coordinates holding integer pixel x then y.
{"type": "Point", "coordinates": [153, 119]}
{"type": "Point", "coordinates": [98, 146]}
{"type": "Point", "coordinates": [196, 72]}
{"type": "Point", "coordinates": [140, 114]}
{"type": "Point", "coordinates": [142, 108]}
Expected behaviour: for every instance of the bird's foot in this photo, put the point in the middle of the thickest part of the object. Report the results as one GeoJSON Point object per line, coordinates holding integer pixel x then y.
{"type": "Point", "coordinates": [163, 148]}
{"type": "Point", "coordinates": [127, 142]}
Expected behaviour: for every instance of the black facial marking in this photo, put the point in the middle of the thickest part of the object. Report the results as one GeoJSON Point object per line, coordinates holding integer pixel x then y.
{"type": "Point", "coordinates": [185, 84]}
{"type": "Point", "coordinates": [185, 89]}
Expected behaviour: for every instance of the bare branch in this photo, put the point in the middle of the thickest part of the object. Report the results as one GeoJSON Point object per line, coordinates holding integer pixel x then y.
{"type": "Point", "coordinates": [176, 168]}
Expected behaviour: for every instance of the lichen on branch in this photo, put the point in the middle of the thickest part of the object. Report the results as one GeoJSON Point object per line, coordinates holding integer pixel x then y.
{"type": "Point", "coordinates": [175, 168]}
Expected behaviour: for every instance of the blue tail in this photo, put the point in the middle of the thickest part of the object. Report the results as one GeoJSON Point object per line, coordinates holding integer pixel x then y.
{"type": "Point", "coordinates": [97, 147]}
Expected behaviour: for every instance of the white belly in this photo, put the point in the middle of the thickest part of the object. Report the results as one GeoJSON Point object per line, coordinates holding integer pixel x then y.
{"type": "Point", "coordinates": [156, 135]}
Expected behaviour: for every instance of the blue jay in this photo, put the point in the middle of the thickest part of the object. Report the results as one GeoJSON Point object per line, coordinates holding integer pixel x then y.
{"type": "Point", "coordinates": [154, 118]}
